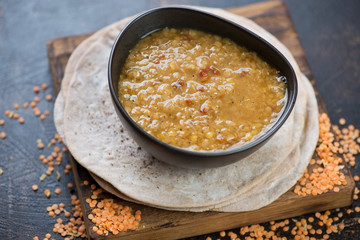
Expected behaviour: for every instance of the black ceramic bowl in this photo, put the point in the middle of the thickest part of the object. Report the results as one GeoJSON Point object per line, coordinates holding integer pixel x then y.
{"type": "Point", "coordinates": [183, 17]}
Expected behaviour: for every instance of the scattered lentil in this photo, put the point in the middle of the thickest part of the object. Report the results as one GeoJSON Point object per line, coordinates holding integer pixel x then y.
{"type": "Point", "coordinates": [57, 191]}
{"type": "Point", "coordinates": [35, 187]}
{"type": "Point", "coordinates": [52, 142]}
{"type": "Point", "coordinates": [40, 144]}
{"type": "Point", "coordinates": [47, 193]}
{"type": "Point", "coordinates": [342, 121]}
{"type": "Point", "coordinates": [2, 122]}
{"type": "Point", "coordinates": [42, 177]}
{"type": "Point", "coordinates": [36, 99]}
{"type": "Point", "coordinates": [36, 89]}
{"type": "Point", "coordinates": [48, 97]}
{"type": "Point", "coordinates": [2, 135]}
{"type": "Point", "coordinates": [21, 120]}
{"type": "Point", "coordinates": [67, 214]}
{"type": "Point", "coordinates": [36, 111]}
{"type": "Point", "coordinates": [32, 104]}
{"type": "Point", "coordinates": [11, 114]}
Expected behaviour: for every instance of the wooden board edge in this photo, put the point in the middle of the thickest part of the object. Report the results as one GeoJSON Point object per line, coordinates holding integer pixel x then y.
{"type": "Point", "coordinates": [253, 10]}
{"type": "Point", "coordinates": [74, 166]}
{"type": "Point", "coordinates": [51, 59]}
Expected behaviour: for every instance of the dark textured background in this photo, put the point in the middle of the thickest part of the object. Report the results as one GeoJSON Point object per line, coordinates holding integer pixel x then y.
{"type": "Point", "coordinates": [329, 31]}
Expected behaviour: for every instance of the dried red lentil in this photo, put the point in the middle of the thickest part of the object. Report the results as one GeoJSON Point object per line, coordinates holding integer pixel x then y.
{"type": "Point", "coordinates": [2, 135]}
{"type": "Point", "coordinates": [36, 99]}
{"type": "Point", "coordinates": [40, 144]}
{"type": "Point", "coordinates": [36, 89]}
{"type": "Point", "coordinates": [36, 111]}
{"type": "Point", "coordinates": [342, 121]}
{"type": "Point", "coordinates": [21, 120]}
{"type": "Point", "coordinates": [110, 217]}
{"type": "Point", "coordinates": [67, 214]}
{"type": "Point", "coordinates": [35, 187]}
{"type": "Point", "coordinates": [47, 193]}
{"type": "Point", "coordinates": [48, 97]}
{"type": "Point", "coordinates": [57, 191]}
{"type": "Point", "coordinates": [32, 104]}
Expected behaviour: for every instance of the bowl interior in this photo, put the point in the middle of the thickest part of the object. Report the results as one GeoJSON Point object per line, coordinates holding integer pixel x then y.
{"type": "Point", "coordinates": [180, 17]}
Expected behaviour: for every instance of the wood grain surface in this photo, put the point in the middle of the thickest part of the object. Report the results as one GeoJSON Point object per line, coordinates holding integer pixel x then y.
{"type": "Point", "coordinates": [160, 224]}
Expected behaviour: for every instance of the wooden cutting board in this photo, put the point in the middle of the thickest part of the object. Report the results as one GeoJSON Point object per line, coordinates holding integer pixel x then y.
{"type": "Point", "coordinates": [161, 224]}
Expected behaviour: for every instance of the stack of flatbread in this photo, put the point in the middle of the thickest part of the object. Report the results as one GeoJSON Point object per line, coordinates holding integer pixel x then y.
{"type": "Point", "coordinates": [86, 120]}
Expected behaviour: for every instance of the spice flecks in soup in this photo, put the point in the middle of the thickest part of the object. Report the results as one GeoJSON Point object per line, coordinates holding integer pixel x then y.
{"type": "Point", "coordinates": [199, 91]}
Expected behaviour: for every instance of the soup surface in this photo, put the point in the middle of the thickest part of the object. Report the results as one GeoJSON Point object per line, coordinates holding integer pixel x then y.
{"type": "Point", "coordinates": [199, 91]}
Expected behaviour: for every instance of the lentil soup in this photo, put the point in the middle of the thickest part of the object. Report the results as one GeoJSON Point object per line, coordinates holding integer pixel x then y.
{"type": "Point", "coordinates": [199, 91]}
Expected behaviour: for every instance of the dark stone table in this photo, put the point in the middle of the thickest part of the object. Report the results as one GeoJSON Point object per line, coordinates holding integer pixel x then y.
{"type": "Point", "coordinates": [329, 31]}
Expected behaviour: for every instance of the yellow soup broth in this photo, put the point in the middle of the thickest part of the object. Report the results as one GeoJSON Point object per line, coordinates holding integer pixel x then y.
{"type": "Point", "coordinates": [199, 91]}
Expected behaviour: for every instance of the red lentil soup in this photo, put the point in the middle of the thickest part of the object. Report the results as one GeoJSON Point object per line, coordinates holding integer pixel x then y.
{"type": "Point", "coordinates": [199, 91]}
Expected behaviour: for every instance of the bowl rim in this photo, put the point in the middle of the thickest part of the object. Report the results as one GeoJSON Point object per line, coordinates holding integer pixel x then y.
{"type": "Point", "coordinates": [286, 111]}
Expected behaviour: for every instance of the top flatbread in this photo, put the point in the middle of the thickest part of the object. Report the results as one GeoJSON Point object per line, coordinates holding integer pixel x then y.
{"type": "Point", "coordinates": [85, 117]}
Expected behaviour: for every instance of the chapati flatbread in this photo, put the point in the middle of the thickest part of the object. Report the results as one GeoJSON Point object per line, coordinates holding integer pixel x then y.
{"type": "Point", "coordinates": [93, 133]}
